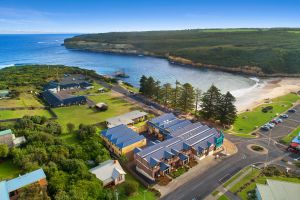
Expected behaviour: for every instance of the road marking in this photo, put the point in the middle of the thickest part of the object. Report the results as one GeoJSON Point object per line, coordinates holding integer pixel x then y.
{"type": "Point", "coordinates": [226, 177]}
{"type": "Point", "coordinates": [294, 120]}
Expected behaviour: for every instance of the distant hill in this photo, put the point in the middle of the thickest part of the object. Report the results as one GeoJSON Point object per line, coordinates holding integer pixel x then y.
{"type": "Point", "coordinates": [274, 52]}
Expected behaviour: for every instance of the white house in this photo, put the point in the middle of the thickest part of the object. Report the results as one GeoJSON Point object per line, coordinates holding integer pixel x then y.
{"type": "Point", "coordinates": [109, 172]}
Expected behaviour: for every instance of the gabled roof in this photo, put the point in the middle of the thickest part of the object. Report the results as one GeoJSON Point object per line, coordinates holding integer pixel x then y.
{"type": "Point", "coordinates": [125, 119]}
{"type": "Point", "coordinates": [5, 132]}
{"type": "Point", "coordinates": [278, 190]}
{"type": "Point", "coordinates": [14, 184]}
{"type": "Point", "coordinates": [163, 166]}
{"type": "Point", "coordinates": [108, 171]}
{"type": "Point", "coordinates": [163, 119]}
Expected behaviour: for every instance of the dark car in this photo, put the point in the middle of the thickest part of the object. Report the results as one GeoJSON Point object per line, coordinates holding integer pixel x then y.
{"type": "Point", "coordinates": [284, 116]}
{"type": "Point", "coordinates": [292, 110]}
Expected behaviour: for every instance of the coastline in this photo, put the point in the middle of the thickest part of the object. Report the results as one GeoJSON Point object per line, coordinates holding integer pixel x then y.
{"type": "Point", "coordinates": [270, 88]}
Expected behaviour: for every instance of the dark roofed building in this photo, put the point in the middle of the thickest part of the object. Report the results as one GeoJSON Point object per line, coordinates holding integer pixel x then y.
{"type": "Point", "coordinates": [57, 99]}
{"type": "Point", "coordinates": [183, 141]}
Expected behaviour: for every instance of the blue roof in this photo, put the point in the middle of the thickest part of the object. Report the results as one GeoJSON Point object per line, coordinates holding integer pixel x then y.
{"type": "Point", "coordinates": [159, 121]}
{"type": "Point", "coordinates": [297, 139]}
{"type": "Point", "coordinates": [25, 179]}
{"type": "Point", "coordinates": [153, 162]}
{"type": "Point", "coordinates": [183, 157]}
{"type": "Point", "coordinates": [14, 184]}
{"type": "Point", "coordinates": [122, 136]}
{"type": "Point", "coordinates": [164, 166]}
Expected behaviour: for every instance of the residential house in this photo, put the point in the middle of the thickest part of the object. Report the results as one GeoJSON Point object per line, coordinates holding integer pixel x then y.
{"type": "Point", "coordinates": [277, 190]}
{"type": "Point", "coordinates": [122, 140]}
{"type": "Point", "coordinates": [109, 172]}
{"type": "Point", "coordinates": [11, 189]}
{"type": "Point", "coordinates": [183, 141]}
{"type": "Point", "coordinates": [8, 138]}
{"type": "Point", "coordinates": [62, 99]}
{"type": "Point", "coordinates": [129, 118]}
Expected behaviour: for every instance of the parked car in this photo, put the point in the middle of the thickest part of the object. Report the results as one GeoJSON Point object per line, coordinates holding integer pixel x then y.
{"type": "Point", "coordinates": [271, 125]}
{"type": "Point", "coordinates": [284, 116]}
{"type": "Point", "coordinates": [277, 120]}
{"type": "Point", "coordinates": [274, 121]}
{"type": "Point", "coordinates": [292, 110]}
{"type": "Point", "coordinates": [265, 128]}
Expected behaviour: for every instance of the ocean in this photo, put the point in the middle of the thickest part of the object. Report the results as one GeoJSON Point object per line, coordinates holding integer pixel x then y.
{"type": "Point", "coordinates": [48, 49]}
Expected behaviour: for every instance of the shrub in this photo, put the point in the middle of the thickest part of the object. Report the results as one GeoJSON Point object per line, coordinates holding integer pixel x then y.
{"type": "Point", "coordinates": [131, 188]}
{"type": "Point", "coordinates": [267, 109]}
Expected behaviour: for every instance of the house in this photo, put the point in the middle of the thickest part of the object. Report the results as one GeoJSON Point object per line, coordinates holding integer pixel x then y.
{"type": "Point", "coordinates": [183, 141]}
{"type": "Point", "coordinates": [122, 140]}
{"type": "Point", "coordinates": [109, 172]}
{"type": "Point", "coordinates": [277, 190]}
{"type": "Point", "coordinates": [11, 189]}
{"type": "Point", "coordinates": [62, 99]}
{"type": "Point", "coordinates": [127, 119]}
{"type": "Point", "coordinates": [4, 94]}
{"type": "Point", "coordinates": [8, 138]}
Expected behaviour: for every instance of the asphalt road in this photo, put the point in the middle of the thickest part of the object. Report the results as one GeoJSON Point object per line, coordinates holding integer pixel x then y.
{"type": "Point", "coordinates": [204, 184]}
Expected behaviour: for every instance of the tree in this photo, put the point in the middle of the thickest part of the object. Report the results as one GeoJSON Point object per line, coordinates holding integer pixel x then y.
{"type": "Point", "coordinates": [130, 188]}
{"type": "Point", "coordinates": [197, 99]}
{"type": "Point", "coordinates": [166, 93]}
{"type": "Point", "coordinates": [70, 127]}
{"type": "Point", "coordinates": [3, 150]}
{"type": "Point", "coordinates": [227, 112]}
{"type": "Point", "coordinates": [34, 192]}
{"type": "Point", "coordinates": [210, 101]}
{"type": "Point", "coordinates": [86, 131]}
{"type": "Point", "coordinates": [157, 90]}
{"type": "Point", "coordinates": [143, 84]}
{"type": "Point", "coordinates": [187, 98]}
{"type": "Point", "coordinates": [176, 94]}
{"type": "Point", "coordinates": [151, 87]}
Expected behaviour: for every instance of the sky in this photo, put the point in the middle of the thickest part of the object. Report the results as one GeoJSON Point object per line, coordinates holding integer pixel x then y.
{"type": "Point", "coordinates": [94, 16]}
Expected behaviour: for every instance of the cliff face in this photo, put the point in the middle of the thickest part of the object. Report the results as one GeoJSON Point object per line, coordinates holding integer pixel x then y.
{"type": "Point", "coordinates": [272, 52]}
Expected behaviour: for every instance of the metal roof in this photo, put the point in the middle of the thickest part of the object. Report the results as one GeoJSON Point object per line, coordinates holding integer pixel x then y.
{"type": "Point", "coordinates": [108, 171]}
{"type": "Point", "coordinates": [125, 119]}
{"type": "Point", "coordinates": [278, 190]}
{"type": "Point", "coordinates": [122, 136]}
{"type": "Point", "coordinates": [5, 132]}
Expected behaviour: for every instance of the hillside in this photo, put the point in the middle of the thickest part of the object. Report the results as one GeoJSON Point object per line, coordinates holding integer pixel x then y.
{"type": "Point", "coordinates": [251, 51]}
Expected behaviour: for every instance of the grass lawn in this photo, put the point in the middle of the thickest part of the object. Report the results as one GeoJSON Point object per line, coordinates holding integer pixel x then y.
{"type": "Point", "coordinates": [223, 197]}
{"type": "Point", "coordinates": [139, 195]}
{"type": "Point", "coordinates": [24, 100]}
{"type": "Point", "coordinates": [249, 121]}
{"type": "Point", "coordinates": [69, 138]}
{"type": "Point", "coordinates": [235, 177]}
{"type": "Point", "coordinates": [85, 115]}
{"type": "Point", "coordinates": [130, 88]}
{"type": "Point", "coordinates": [287, 139]}
{"type": "Point", "coordinates": [11, 114]}
{"type": "Point", "coordinates": [8, 170]}
{"type": "Point", "coordinates": [91, 91]}
{"type": "Point", "coordinates": [214, 193]}
{"type": "Point", "coordinates": [261, 180]}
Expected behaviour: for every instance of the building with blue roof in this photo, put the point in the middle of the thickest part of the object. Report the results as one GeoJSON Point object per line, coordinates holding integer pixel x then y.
{"type": "Point", "coordinates": [122, 140]}
{"type": "Point", "coordinates": [182, 141]}
{"type": "Point", "coordinates": [11, 189]}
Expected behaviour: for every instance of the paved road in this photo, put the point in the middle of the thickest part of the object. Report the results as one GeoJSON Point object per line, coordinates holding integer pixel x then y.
{"type": "Point", "coordinates": [204, 184]}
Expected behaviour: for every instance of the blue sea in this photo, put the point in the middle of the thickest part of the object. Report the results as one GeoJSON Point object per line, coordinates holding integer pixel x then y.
{"type": "Point", "coordinates": [48, 49]}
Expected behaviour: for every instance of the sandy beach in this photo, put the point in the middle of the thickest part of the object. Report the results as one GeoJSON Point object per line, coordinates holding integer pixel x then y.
{"type": "Point", "coordinates": [265, 88]}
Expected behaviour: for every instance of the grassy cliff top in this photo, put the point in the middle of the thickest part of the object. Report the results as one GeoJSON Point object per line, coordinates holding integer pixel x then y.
{"type": "Point", "coordinates": [265, 51]}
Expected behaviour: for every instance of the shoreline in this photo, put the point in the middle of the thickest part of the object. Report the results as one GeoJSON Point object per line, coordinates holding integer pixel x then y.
{"type": "Point", "coordinates": [266, 89]}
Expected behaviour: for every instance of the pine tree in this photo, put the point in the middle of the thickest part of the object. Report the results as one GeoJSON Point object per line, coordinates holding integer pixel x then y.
{"type": "Point", "coordinates": [210, 102]}
{"type": "Point", "coordinates": [227, 112]}
{"type": "Point", "coordinates": [157, 92]}
{"type": "Point", "coordinates": [176, 94]}
{"type": "Point", "coordinates": [151, 87]}
{"type": "Point", "coordinates": [143, 83]}
{"type": "Point", "coordinates": [166, 93]}
{"type": "Point", "coordinates": [187, 98]}
{"type": "Point", "coordinates": [197, 99]}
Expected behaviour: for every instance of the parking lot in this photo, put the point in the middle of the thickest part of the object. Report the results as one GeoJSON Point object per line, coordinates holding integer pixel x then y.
{"type": "Point", "coordinates": [287, 126]}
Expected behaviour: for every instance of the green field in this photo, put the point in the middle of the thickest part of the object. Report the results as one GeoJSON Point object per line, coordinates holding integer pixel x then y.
{"type": "Point", "coordinates": [223, 197]}
{"type": "Point", "coordinates": [85, 115]}
{"type": "Point", "coordinates": [24, 100]}
{"type": "Point", "coordinates": [142, 191]}
{"type": "Point", "coordinates": [287, 139]}
{"type": "Point", "coordinates": [8, 170]}
{"type": "Point", "coordinates": [251, 120]}
{"type": "Point", "coordinates": [12, 114]}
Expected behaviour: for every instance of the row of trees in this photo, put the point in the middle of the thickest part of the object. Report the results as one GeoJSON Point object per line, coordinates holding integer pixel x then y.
{"type": "Point", "coordinates": [184, 97]}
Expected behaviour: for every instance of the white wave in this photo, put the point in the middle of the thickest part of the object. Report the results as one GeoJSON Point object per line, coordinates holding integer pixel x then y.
{"type": "Point", "coordinates": [243, 91]}
{"type": "Point", "coordinates": [41, 42]}
{"type": "Point", "coordinates": [7, 65]}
